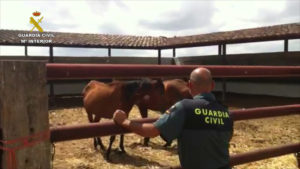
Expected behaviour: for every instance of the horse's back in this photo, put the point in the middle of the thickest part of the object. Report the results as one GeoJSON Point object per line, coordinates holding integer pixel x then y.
{"type": "Point", "coordinates": [101, 98]}
{"type": "Point", "coordinates": [176, 90]}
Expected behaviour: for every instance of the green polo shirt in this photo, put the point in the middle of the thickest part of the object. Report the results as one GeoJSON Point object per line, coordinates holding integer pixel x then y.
{"type": "Point", "coordinates": [203, 129]}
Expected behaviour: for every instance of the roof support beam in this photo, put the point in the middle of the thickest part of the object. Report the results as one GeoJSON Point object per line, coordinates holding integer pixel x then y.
{"type": "Point", "coordinates": [51, 85]}
{"type": "Point", "coordinates": [159, 57]}
{"type": "Point", "coordinates": [51, 59]}
{"type": "Point", "coordinates": [286, 45]}
{"type": "Point", "coordinates": [109, 54]}
{"type": "Point", "coordinates": [26, 50]}
{"type": "Point", "coordinates": [222, 53]}
{"type": "Point", "coordinates": [174, 55]}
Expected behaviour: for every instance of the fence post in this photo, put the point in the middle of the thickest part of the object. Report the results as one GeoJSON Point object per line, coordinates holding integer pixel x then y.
{"type": "Point", "coordinates": [23, 114]}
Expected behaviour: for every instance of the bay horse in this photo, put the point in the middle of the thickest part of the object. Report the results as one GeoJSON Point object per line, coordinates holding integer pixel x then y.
{"type": "Point", "coordinates": [100, 100]}
{"type": "Point", "coordinates": [175, 90]}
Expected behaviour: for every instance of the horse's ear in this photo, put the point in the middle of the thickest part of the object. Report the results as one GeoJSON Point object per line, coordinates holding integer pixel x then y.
{"type": "Point", "coordinates": [159, 80]}
{"type": "Point", "coordinates": [160, 85]}
{"type": "Point", "coordinates": [130, 88]}
{"type": "Point", "coordinates": [186, 79]}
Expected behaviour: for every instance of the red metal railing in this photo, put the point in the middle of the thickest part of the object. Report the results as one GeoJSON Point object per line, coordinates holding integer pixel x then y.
{"type": "Point", "coordinates": [109, 128]}
{"type": "Point", "coordinates": [251, 156]}
{"type": "Point", "coordinates": [96, 71]}
{"type": "Point", "coordinates": [257, 155]}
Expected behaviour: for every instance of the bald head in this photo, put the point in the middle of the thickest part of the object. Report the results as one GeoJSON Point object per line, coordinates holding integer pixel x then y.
{"type": "Point", "coordinates": [201, 76]}
{"type": "Point", "coordinates": [201, 81]}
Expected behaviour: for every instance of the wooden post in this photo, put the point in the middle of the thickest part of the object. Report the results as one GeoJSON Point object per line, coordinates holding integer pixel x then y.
{"type": "Point", "coordinates": [286, 45]}
{"type": "Point", "coordinates": [23, 113]}
{"type": "Point", "coordinates": [159, 57]}
{"type": "Point", "coordinates": [174, 55]}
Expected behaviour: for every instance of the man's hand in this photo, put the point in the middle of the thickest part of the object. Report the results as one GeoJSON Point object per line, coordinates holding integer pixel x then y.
{"type": "Point", "coordinates": [119, 117]}
{"type": "Point", "coordinates": [143, 129]}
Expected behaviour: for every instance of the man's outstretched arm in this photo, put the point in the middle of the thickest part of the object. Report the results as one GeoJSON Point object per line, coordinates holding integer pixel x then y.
{"type": "Point", "coordinates": [143, 129]}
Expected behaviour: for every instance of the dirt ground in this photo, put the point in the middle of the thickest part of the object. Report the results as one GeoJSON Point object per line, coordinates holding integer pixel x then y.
{"type": "Point", "coordinates": [248, 135]}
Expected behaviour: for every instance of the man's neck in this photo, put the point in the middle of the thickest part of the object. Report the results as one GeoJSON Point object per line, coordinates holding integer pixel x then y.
{"type": "Point", "coordinates": [199, 93]}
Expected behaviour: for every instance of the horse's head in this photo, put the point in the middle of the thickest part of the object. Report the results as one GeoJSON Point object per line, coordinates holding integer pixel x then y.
{"type": "Point", "coordinates": [148, 87]}
{"type": "Point", "coordinates": [136, 90]}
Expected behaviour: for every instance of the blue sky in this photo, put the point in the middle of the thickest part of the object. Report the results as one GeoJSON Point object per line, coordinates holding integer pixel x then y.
{"type": "Point", "coordinates": [150, 18]}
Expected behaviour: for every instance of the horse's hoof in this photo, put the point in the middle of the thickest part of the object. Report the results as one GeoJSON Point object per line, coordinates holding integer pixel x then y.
{"type": "Point", "coordinates": [102, 148]}
{"type": "Point", "coordinates": [167, 145]}
{"type": "Point", "coordinates": [95, 145]}
{"type": "Point", "coordinates": [146, 144]}
{"type": "Point", "coordinates": [121, 151]}
{"type": "Point", "coordinates": [108, 159]}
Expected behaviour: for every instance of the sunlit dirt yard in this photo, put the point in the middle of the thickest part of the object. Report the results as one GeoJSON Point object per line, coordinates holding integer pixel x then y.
{"type": "Point", "coordinates": [248, 135]}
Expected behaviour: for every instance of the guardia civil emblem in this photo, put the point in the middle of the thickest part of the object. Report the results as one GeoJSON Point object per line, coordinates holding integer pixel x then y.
{"type": "Point", "coordinates": [35, 23]}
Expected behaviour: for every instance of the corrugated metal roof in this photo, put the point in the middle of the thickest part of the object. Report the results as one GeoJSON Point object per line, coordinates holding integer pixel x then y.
{"type": "Point", "coordinates": [277, 32]}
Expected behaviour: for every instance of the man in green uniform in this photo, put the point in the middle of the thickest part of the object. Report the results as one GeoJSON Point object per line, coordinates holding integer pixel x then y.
{"type": "Point", "coordinates": [202, 126]}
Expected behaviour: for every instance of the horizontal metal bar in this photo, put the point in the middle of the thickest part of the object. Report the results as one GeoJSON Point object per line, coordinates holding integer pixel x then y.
{"type": "Point", "coordinates": [90, 130]}
{"type": "Point", "coordinates": [96, 71]}
{"type": "Point", "coordinates": [262, 112]}
{"type": "Point", "coordinates": [257, 155]}
{"type": "Point", "coordinates": [109, 128]}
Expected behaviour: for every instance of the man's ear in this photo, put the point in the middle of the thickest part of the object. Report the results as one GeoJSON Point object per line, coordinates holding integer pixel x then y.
{"type": "Point", "coordinates": [213, 84]}
{"type": "Point", "coordinates": [189, 84]}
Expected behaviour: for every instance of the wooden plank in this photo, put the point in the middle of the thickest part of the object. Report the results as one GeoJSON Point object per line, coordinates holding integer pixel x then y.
{"type": "Point", "coordinates": [24, 112]}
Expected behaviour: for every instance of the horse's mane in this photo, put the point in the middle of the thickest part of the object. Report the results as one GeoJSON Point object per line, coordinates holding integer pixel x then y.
{"type": "Point", "coordinates": [130, 87]}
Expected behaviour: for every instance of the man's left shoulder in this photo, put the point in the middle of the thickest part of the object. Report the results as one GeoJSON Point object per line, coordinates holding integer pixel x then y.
{"type": "Point", "coordinates": [178, 106]}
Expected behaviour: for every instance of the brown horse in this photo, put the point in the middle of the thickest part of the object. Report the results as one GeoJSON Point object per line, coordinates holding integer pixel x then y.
{"type": "Point", "coordinates": [100, 100]}
{"type": "Point", "coordinates": [175, 90]}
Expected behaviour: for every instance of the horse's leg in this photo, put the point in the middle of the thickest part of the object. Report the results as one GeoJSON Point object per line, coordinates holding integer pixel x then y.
{"type": "Point", "coordinates": [111, 140]}
{"type": "Point", "coordinates": [98, 139]}
{"type": "Point", "coordinates": [91, 120]}
{"type": "Point", "coordinates": [144, 114]}
{"type": "Point", "coordinates": [168, 144]}
{"type": "Point", "coordinates": [122, 143]}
